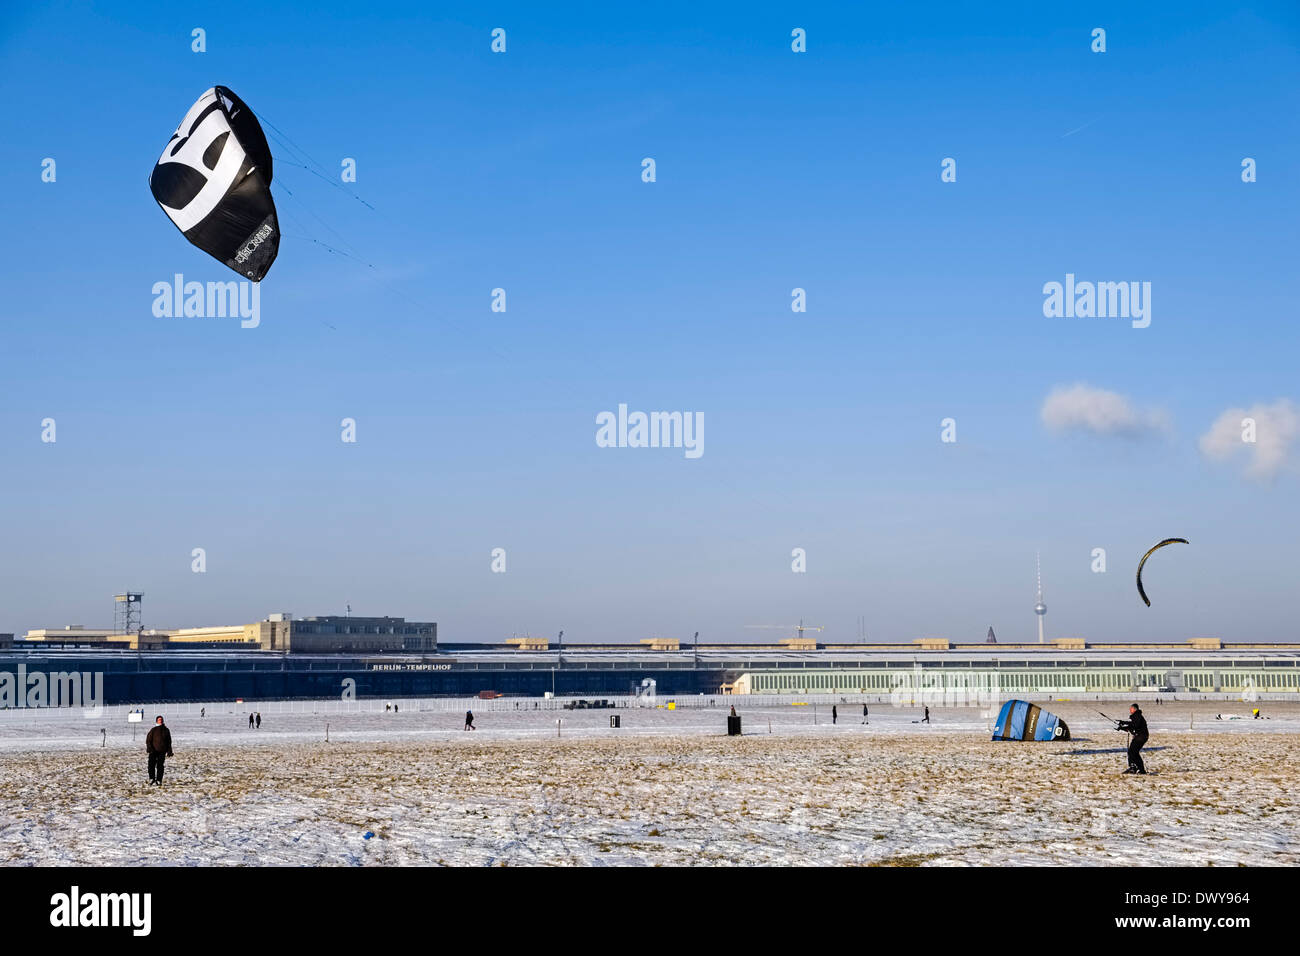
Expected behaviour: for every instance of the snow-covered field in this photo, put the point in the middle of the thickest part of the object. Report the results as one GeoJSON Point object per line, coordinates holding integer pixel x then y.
{"type": "Point", "coordinates": [667, 788]}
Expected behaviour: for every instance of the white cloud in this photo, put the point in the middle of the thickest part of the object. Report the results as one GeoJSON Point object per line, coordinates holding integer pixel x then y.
{"type": "Point", "coordinates": [1276, 429]}
{"type": "Point", "coordinates": [1084, 408]}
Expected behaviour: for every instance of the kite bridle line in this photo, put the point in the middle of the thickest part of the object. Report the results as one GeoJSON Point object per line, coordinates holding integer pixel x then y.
{"type": "Point", "coordinates": [1113, 720]}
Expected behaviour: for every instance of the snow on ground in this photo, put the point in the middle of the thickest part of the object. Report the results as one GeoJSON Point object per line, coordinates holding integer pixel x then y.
{"type": "Point", "coordinates": [667, 788]}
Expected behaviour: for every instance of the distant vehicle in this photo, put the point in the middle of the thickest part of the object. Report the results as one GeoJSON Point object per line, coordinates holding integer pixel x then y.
{"type": "Point", "coordinates": [489, 694]}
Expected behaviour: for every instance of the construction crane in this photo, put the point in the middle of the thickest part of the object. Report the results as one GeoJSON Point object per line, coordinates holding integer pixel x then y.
{"type": "Point", "coordinates": [797, 628]}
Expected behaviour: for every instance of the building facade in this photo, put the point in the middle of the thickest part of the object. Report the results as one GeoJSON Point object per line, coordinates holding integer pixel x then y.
{"type": "Point", "coordinates": [391, 657]}
{"type": "Point", "coordinates": [278, 632]}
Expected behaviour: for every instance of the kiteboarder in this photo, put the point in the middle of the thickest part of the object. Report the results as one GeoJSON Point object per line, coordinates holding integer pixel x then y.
{"type": "Point", "coordinates": [158, 745]}
{"type": "Point", "coordinates": [1136, 726]}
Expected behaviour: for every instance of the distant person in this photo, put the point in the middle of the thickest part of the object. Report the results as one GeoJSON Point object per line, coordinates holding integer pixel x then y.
{"type": "Point", "coordinates": [250, 721]}
{"type": "Point", "coordinates": [1256, 712]}
{"type": "Point", "coordinates": [864, 713]}
{"type": "Point", "coordinates": [158, 745]}
{"type": "Point", "coordinates": [835, 714]}
{"type": "Point", "coordinates": [259, 720]}
{"type": "Point", "coordinates": [1136, 726]}
{"type": "Point", "coordinates": [394, 708]}
{"type": "Point", "coordinates": [469, 720]}
{"type": "Point", "coordinates": [926, 718]}
{"type": "Point", "coordinates": [203, 712]}
{"type": "Point", "coordinates": [733, 710]}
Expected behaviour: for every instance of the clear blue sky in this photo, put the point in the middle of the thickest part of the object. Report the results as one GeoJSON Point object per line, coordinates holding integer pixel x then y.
{"type": "Point", "coordinates": [776, 170]}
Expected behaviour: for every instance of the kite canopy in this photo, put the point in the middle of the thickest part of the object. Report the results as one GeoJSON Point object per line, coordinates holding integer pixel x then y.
{"type": "Point", "coordinates": [1142, 590]}
{"type": "Point", "coordinates": [214, 181]}
{"type": "Point", "coordinates": [1021, 720]}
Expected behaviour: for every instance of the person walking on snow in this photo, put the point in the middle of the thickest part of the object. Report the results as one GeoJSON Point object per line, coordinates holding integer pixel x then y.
{"type": "Point", "coordinates": [158, 745]}
{"type": "Point", "coordinates": [864, 713]}
{"type": "Point", "coordinates": [1136, 726]}
{"type": "Point", "coordinates": [469, 720]}
{"type": "Point", "coordinates": [250, 721]}
{"type": "Point", "coordinates": [259, 720]}
{"type": "Point", "coordinates": [926, 718]}
{"type": "Point", "coordinates": [835, 714]}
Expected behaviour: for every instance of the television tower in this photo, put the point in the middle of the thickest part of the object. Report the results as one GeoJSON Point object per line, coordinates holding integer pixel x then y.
{"type": "Point", "coordinates": [1040, 608]}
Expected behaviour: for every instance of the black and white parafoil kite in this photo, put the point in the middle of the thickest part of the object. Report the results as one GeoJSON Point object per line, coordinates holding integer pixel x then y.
{"type": "Point", "coordinates": [214, 181]}
{"type": "Point", "coordinates": [1141, 590]}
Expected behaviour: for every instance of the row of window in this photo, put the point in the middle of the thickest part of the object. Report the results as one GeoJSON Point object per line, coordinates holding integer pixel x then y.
{"type": "Point", "coordinates": [1076, 680]}
{"type": "Point", "coordinates": [348, 629]}
{"type": "Point", "coordinates": [1242, 680]}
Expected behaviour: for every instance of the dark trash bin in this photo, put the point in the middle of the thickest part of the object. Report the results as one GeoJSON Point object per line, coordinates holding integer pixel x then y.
{"type": "Point", "coordinates": [733, 726]}
{"type": "Point", "coordinates": [615, 720]}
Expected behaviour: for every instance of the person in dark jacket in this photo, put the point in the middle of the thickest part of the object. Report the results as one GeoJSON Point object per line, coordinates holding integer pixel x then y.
{"type": "Point", "coordinates": [835, 714]}
{"type": "Point", "coordinates": [158, 745]}
{"type": "Point", "coordinates": [1136, 726]}
{"type": "Point", "coordinates": [250, 721]}
{"type": "Point", "coordinates": [469, 720]}
{"type": "Point", "coordinates": [864, 713]}
{"type": "Point", "coordinates": [926, 718]}
{"type": "Point", "coordinates": [259, 720]}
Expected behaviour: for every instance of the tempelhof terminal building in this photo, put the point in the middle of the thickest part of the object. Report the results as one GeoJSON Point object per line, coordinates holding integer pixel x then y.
{"type": "Point", "coordinates": [315, 658]}
{"type": "Point", "coordinates": [939, 669]}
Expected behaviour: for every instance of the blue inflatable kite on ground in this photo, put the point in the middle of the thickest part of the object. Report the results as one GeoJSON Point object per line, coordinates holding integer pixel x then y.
{"type": "Point", "coordinates": [1021, 720]}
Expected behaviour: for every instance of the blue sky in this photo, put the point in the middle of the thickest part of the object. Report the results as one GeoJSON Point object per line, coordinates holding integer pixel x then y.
{"type": "Point", "coordinates": [775, 170]}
